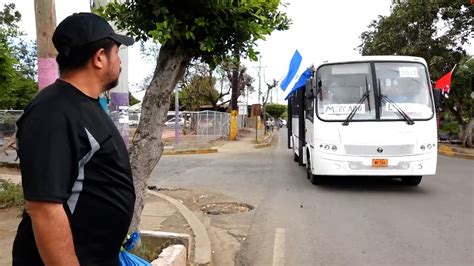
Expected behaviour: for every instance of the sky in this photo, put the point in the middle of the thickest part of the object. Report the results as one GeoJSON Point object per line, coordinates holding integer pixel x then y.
{"type": "Point", "coordinates": [321, 30]}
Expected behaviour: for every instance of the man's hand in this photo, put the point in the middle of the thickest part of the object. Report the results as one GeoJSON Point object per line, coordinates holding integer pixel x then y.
{"type": "Point", "coordinates": [52, 233]}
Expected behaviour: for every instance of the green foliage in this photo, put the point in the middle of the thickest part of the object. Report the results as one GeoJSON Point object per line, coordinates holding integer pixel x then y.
{"type": "Point", "coordinates": [434, 30]}
{"type": "Point", "coordinates": [17, 63]}
{"type": "Point", "coordinates": [451, 127]}
{"type": "Point", "coordinates": [11, 194]}
{"type": "Point", "coordinates": [132, 100]}
{"type": "Point", "coordinates": [275, 110]}
{"type": "Point", "coordinates": [205, 29]}
{"type": "Point", "coordinates": [460, 102]}
{"type": "Point", "coordinates": [196, 93]}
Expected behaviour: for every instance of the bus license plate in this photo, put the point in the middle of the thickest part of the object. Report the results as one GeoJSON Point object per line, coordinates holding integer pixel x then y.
{"type": "Point", "coordinates": [379, 162]}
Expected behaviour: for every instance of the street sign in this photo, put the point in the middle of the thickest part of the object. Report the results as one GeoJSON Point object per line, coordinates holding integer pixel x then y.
{"type": "Point", "coordinates": [242, 109]}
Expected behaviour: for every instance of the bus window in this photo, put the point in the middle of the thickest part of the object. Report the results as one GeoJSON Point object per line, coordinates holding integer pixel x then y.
{"type": "Point", "coordinates": [342, 86]}
{"type": "Point", "coordinates": [406, 84]}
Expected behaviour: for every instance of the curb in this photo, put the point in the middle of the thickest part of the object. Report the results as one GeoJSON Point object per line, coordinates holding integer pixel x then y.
{"type": "Point", "coordinates": [452, 152]}
{"type": "Point", "coordinates": [185, 152]}
{"type": "Point", "coordinates": [267, 141]}
{"type": "Point", "coordinates": [10, 165]}
{"type": "Point", "coordinates": [202, 249]}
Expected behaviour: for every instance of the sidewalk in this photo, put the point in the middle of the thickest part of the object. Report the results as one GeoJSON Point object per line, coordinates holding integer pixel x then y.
{"type": "Point", "coordinates": [161, 213]}
{"type": "Point", "coordinates": [247, 140]}
{"type": "Point", "coordinates": [455, 151]}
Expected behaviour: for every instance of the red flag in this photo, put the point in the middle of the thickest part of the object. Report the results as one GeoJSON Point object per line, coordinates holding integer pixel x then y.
{"type": "Point", "coordinates": [444, 83]}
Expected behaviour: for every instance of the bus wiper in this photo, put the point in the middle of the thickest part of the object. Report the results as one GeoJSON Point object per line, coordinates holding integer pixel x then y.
{"type": "Point", "coordinates": [354, 111]}
{"type": "Point", "coordinates": [385, 99]}
{"type": "Point", "coordinates": [367, 91]}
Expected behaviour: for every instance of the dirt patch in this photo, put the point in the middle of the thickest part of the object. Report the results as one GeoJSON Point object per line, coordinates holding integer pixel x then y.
{"type": "Point", "coordinates": [9, 171]}
{"type": "Point", "coordinates": [226, 208]}
{"type": "Point", "coordinates": [9, 220]}
{"type": "Point", "coordinates": [194, 198]}
{"type": "Point", "coordinates": [226, 232]}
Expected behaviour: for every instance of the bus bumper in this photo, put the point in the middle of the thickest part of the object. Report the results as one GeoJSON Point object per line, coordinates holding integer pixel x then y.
{"type": "Point", "coordinates": [413, 165]}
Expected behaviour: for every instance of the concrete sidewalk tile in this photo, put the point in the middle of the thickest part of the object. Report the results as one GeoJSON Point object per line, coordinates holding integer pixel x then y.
{"type": "Point", "coordinates": [202, 250]}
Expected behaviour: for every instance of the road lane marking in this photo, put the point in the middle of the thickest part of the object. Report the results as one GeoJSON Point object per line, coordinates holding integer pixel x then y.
{"type": "Point", "coordinates": [279, 248]}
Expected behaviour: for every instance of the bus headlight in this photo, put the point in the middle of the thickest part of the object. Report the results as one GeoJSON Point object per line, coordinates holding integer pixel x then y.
{"type": "Point", "coordinates": [428, 146]}
{"type": "Point", "coordinates": [328, 147]}
{"type": "Point", "coordinates": [422, 148]}
{"type": "Point", "coordinates": [404, 165]}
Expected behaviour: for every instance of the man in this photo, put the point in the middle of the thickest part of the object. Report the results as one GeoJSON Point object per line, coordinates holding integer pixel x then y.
{"type": "Point", "coordinates": [76, 175]}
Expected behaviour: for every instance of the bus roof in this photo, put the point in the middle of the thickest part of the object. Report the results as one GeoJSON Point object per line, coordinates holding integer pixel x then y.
{"type": "Point", "coordinates": [374, 58]}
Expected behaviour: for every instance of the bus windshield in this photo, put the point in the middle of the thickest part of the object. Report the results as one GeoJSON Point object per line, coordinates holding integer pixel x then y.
{"type": "Point", "coordinates": [406, 85]}
{"type": "Point", "coordinates": [341, 86]}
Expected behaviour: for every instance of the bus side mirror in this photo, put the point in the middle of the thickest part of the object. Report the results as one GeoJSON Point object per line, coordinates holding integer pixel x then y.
{"type": "Point", "coordinates": [309, 89]}
{"type": "Point", "coordinates": [437, 98]}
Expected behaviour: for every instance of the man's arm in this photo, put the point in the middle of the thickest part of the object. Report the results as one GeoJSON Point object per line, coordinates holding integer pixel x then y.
{"type": "Point", "coordinates": [52, 233]}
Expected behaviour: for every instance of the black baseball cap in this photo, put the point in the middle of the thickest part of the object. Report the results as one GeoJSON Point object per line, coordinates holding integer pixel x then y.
{"type": "Point", "coordinates": [80, 29]}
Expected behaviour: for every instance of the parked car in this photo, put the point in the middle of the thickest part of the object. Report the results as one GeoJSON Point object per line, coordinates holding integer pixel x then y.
{"type": "Point", "coordinates": [171, 122]}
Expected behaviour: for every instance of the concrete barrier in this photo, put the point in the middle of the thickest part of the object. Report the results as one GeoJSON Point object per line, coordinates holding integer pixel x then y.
{"type": "Point", "coordinates": [172, 256]}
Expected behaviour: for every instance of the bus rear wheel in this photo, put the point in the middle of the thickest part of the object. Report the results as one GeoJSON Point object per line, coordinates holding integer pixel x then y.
{"type": "Point", "coordinates": [411, 180]}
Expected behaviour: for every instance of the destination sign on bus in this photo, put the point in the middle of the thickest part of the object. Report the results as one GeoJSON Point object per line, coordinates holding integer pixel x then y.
{"type": "Point", "coordinates": [340, 109]}
{"type": "Point", "coordinates": [408, 72]}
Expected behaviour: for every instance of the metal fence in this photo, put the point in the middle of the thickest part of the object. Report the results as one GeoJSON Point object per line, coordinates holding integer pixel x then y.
{"type": "Point", "coordinates": [8, 128]}
{"type": "Point", "coordinates": [195, 127]}
{"type": "Point", "coordinates": [200, 127]}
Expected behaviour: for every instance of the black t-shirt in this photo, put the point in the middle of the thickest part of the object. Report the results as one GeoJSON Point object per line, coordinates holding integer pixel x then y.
{"type": "Point", "coordinates": [71, 153]}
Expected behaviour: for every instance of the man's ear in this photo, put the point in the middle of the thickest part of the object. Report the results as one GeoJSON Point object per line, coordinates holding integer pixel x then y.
{"type": "Point", "coordinates": [99, 58]}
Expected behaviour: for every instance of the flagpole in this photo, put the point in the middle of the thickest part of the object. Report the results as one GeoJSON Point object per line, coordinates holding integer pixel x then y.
{"type": "Point", "coordinates": [452, 71]}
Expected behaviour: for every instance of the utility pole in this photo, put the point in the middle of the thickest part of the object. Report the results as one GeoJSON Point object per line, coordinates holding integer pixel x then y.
{"type": "Point", "coordinates": [259, 67]}
{"type": "Point", "coordinates": [45, 16]}
{"type": "Point", "coordinates": [176, 115]}
{"type": "Point", "coordinates": [259, 78]}
{"type": "Point", "coordinates": [119, 102]}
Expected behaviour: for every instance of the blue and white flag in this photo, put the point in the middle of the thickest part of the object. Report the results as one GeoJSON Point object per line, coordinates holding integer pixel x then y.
{"type": "Point", "coordinates": [298, 72]}
{"type": "Point", "coordinates": [301, 82]}
{"type": "Point", "coordinates": [293, 70]}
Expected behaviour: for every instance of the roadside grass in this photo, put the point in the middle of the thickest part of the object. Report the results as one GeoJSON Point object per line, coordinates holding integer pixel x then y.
{"type": "Point", "coordinates": [151, 248]}
{"type": "Point", "coordinates": [11, 195]}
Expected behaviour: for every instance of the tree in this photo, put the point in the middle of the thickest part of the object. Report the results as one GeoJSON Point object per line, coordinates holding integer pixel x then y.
{"type": "Point", "coordinates": [240, 81]}
{"type": "Point", "coordinates": [186, 30]}
{"type": "Point", "coordinates": [270, 86]}
{"type": "Point", "coordinates": [460, 102]}
{"type": "Point", "coordinates": [434, 30]}
{"type": "Point", "coordinates": [17, 63]}
{"type": "Point", "coordinates": [199, 85]}
{"type": "Point", "coordinates": [275, 110]}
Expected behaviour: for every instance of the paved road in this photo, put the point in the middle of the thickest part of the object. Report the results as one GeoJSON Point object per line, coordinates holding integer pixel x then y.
{"type": "Point", "coordinates": [357, 221]}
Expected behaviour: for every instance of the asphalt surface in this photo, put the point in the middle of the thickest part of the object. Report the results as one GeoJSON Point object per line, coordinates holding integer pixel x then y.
{"type": "Point", "coordinates": [349, 221]}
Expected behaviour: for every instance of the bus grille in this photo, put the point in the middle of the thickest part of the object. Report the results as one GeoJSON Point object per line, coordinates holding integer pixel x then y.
{"type": "Point", "coordinates": [372, 150]}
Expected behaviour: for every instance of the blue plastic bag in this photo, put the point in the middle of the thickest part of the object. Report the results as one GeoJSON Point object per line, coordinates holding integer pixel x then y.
{"type": "Point", "coordinates": [129, 259]}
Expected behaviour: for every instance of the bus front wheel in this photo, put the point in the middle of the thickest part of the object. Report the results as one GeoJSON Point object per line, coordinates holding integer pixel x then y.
{"type": "Point", "coordinates": [411, 180]}
{"type": "Point", "coordinates": [315, 179]}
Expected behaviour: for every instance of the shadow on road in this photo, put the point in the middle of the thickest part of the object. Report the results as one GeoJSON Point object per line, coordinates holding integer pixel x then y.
{"type": "Point", "coordinates": [370, 184]}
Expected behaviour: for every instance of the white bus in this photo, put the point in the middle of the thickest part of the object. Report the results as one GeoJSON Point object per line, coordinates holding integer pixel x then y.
{"type": "Point", "coordinates": [371, 116]}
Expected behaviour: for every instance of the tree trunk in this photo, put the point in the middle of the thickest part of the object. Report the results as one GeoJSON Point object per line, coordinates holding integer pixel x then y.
{"type": "Point", "coordinates": [467, 135]}
{"type": "Point", "coordinates": [147, 147]}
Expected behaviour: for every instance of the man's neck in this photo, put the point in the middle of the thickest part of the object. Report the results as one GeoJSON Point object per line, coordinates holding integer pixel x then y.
{"type": "Point", "coordinates": [83, 82]}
